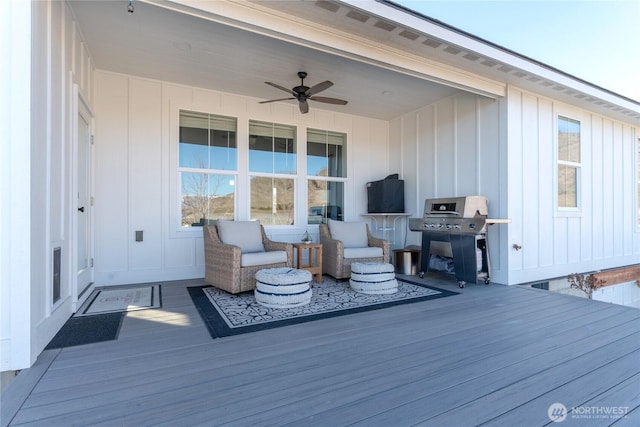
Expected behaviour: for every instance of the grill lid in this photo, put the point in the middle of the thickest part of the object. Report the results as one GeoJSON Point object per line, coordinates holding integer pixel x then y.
{"type": "Point", "coordinates": [461, 207]}
{"type": "Point", "coordinates": [462, 215]}
{"type": "Point", "coordinates": [453, 215]}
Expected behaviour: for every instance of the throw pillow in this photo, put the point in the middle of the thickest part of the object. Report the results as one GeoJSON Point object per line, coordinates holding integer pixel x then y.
{"type": "Point", "coordinates": [245, 234]}
{"type": "Point", "coordinates": [352, 234]}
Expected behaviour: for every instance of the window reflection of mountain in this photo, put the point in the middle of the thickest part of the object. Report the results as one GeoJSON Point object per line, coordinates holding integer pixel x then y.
{"type": "Point", "coordinates": [272, 200]}
{"type": "Point", "coordinates": [201, 198]}
{"type": "Point", "coordinates": [196, 210]}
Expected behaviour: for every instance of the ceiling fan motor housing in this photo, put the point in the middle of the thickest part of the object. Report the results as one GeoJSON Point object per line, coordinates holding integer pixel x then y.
{"type": "Point", "coordinates": [302, 89]}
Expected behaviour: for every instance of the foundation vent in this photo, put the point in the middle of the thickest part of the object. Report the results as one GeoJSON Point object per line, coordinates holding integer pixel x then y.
{"type": "Point", "coordinates": [57, 255]}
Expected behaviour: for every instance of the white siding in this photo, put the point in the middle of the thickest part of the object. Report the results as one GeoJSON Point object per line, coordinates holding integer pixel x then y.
{"type": "Point", "coordinates": [506, 151]}
{"type": "Point", "coordinates": [136, 172]}
{"type": "Point", "coordinates": [453, 148]}
{"type": "Point", "coordinates": [602, 234]}
{"type": "Point", "coordinates": [59, 59]}
{"type": "Point", "coordinates": [15, 207]}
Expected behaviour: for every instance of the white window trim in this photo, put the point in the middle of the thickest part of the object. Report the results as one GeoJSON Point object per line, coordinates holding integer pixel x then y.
{"type": "Point", "coordinates": [243, 174]}
{"type": "Point", "coordinates": [567, 211]}
{"type": "Point", "coordinates": [175, 184]}
{"type": "Point", "coordinates": [343, 179]}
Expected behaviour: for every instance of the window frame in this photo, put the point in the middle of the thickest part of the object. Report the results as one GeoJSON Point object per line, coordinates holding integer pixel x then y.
{"type": "Point", "coordinates": [578, 166]}
{"type": "Point", "coordinates": [287, 175]}
{"type": "Point", "coordinates": [343, 179]}
{"type": "Point", "coordinates": [242, 175]}
{"type": "Point", "coordinates": [181, 170]}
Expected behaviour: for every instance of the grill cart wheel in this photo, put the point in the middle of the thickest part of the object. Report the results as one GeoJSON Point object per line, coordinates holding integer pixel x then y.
{"type": "Point", "coordinates": [461, 283]}
{"type": "Point", "coordinates": [487, 281]}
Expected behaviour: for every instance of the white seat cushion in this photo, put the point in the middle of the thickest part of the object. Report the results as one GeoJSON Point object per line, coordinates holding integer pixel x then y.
{"type": "Point", "coordinates": [262, 258]}
{"type": "Point", "coordinates": [368, 252]}
{"type": "Point", "coordinates": [371, 267]}
{"type": "Point", "coordinates": [245, 234]}
{"type": "Point", "coordinates": [351, 234]}
{"type": "Point", "coordinates": [283, 276]}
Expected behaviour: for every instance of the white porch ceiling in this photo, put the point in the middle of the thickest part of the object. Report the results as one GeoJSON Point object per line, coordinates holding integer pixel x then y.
{"type": "Point", "coordinates": [162, 44]}
{"type": "Point", "coordinates": [222, 46]}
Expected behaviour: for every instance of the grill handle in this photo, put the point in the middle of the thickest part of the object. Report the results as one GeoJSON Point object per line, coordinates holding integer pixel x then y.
{"type": "Point", "coordinates": [443, 212]}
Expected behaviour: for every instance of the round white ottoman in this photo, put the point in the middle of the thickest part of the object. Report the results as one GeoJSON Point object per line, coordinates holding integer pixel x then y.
{"type": "Point", "coordinates": [283, 287]}
{"type": "Point", "coordinates": [373, 278]}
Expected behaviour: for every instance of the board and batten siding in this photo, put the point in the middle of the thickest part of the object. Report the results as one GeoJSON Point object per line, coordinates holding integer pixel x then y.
{"type": "Point", "coordinates": [454, 148]}
{"type": "Point", "coordinates": [506, 150]}
{"type": "Point", "coordinates": [60, 69]}
{"type": "Point", "coordinates": [136, 182]}
{"type": "Point", "coordinates": [602, 233]}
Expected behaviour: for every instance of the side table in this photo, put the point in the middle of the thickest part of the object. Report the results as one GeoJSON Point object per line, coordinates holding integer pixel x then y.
{"type": "Point", "coordinates": [314, 266]}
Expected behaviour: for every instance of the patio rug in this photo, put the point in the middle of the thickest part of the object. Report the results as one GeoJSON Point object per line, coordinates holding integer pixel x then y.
{"type": "Point", "coordinates": [87, 330]}
{"type": "Point", "coordinates": [120, 299]}
{"type": "Point", "coordinates": [226, 314]}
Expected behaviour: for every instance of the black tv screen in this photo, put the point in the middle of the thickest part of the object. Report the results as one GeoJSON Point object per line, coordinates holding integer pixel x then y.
{"type": "Point", "coordinates": [386, 195]}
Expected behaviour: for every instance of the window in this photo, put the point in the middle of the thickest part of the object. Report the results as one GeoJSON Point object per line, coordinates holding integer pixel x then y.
{"type": "Point", "coordinates": [207, 167]}
{"type": "Point", "coordinates": [263, 183]}
{"type": "Point", "coordinates": [327, 171]}
{"type": "Point", "coordinates": [568, 162]}
{"type": "Point", "coordinates": [272, 169]}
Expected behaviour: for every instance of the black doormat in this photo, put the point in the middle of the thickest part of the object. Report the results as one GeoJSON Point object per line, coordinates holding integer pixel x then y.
{"type": "Point", "coordinates": [225, 314]}
{"type": "Point", "coordinates": [88, 330]}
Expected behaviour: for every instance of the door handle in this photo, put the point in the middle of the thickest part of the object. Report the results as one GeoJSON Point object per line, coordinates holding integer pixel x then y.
{"type": "Point", "coordinates": [81, 209]}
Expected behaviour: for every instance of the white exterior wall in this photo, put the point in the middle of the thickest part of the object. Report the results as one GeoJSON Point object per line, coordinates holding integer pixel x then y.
{"type": "Point", "coordinates": [136, 186]}
{"type": "Point", "coordinates": [41, 222]}
{"type": "Point", "coordinates": [15, 207]}
{"type": "Point", "coordinates": [454, 148]}
{"type": "Point", "coordinates": [603, 233]}
{"type": "Point", "coordinates": [458, 147]}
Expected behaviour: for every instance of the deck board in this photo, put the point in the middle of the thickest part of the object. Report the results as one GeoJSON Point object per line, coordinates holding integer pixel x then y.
{"type": "Point", "coordinates": [493, 354]}
{"type": "Point", "coordinates": [612, 385]}
{"type": "Point", "coordinates": [451, 383]}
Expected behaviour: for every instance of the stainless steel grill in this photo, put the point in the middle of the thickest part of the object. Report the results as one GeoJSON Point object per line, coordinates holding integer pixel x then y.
{"type": "Point", "coordinates": [461, 222]}
{"type": "Point", "coordinates": [453, 215]}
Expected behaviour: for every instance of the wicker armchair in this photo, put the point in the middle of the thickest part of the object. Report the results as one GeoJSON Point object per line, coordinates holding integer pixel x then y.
{"type": "Point", "coordinates": [224, 266]}
{"type": "Point", "coordinates": [334, 262]}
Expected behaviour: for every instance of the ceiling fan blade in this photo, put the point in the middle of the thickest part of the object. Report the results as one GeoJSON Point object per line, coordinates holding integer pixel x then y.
{"type": "Point", "coordinates": [304, 107]}
{"type": "Point", "coordinates": [276, 100]}
{"type": "Point", "coordinates": [318, 88]}
{"type": "Point", "coordinates": [329, 100]}
{"type": "Point", "coordinates": [281, 88]}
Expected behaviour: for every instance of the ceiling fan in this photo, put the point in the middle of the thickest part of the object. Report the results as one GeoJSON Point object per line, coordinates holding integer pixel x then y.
{"type": "Point", "coordinates": [305, 93]}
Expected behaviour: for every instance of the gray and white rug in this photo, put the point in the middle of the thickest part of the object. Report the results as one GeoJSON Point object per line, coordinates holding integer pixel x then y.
{"type": "Point", "coordinates": [121, 299]}
{"type": "Point", "coordinates": [226, 314]}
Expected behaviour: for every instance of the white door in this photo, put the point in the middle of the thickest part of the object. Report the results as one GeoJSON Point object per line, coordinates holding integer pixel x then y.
{"type": "Point", "coordinates": [84, 261]}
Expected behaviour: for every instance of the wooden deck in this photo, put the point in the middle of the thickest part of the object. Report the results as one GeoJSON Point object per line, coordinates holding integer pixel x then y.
{"type": "Point", "coordinates": [493, 355]}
